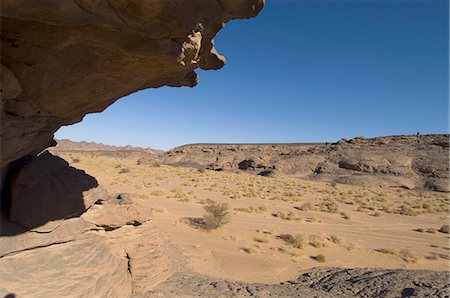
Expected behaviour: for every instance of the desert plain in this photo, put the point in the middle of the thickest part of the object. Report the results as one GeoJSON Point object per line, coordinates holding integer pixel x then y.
{"type": "Point", "coordinates": [279, 226]}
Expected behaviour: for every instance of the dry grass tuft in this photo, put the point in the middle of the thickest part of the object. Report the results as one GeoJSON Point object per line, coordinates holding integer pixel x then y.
{"type": "Point", "coordinates": [297, 240]}
{"type": "Point", "coordinates": [444, 229]}
{"type": "Point", "coordinates": [320, 258]}
{"type": "Point", "coordinates": [408, 256]}
{"type": "Point", "coordinates": [335, 239]}
{"type": "Point", "coordinates": [317, 241]}
{"type": "Point", "coordinates": [389, 251]}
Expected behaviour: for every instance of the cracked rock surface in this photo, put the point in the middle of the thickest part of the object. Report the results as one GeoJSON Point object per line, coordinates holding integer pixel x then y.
{"type": "Point", "coordinates": [84, 256]}
{"type": "Point", "coordinates": [320, 282]}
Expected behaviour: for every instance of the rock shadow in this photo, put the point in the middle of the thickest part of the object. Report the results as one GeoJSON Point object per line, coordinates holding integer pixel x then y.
{"type": "Point", "coordinates": [46, 189]}
{"type": "Point", "coordinates": [196, 222]}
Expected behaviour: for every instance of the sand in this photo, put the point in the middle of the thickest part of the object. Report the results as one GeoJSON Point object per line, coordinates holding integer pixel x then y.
{"type": "Point", "coordinates": [364, 231]}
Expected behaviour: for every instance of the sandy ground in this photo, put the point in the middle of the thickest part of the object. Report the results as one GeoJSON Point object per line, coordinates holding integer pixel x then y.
{"type": "Point", "coordinates": [352, 227]}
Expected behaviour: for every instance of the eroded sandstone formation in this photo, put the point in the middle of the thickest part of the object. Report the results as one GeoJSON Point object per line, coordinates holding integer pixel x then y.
{"type": "Point", "coordinates": [63, 59]}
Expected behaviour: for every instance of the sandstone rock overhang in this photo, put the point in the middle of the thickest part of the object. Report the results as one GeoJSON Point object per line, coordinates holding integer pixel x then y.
{"type": "Point", "coordinates": [63, 59]}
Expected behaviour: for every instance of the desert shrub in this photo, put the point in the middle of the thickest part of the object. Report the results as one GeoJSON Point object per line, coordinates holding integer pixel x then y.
{"type": "Point", "coordinates": [408, 256]}
{"type": "Point", "coordinates": [444, 229]}
{"type": "Point", "coordinates": [427, 206]}
{"type": "Point", "coordinates": [307, 206]}
{"type": "Point", "coordinates": [201, 170]}
{"type": "Point", "coordinates": [216, 215]}
{"type": "Point", "coordinates": [333, 184]}
{"type": "Point", "coordinates": [159, 209]}
{"type": "Point", "coordinates": [316, 241]}
{"type": "Point", "coordinates": [248, 250]}
{"type": "Point", "coordinates": [157, 193]}
{"type": "Point", "coordinates": [261, 240]}
{"type": "Point", "coordinates": [179, 194]}
{"type": "Point", "coordinates": [433, 256]}
{"type": "Point", "coordinates": [431, 231]}
{"type": "Point", "coordinates": [297, 241]}
{"type": "Point", "coordinates": [388, 251]}
{"type": "Point", "coordinates": [405, 210]}
{"type": "Point", "coordinates": [335, 239]}
{"type": "Point", "coordinates": [76, 160]}
{"type": "Point", "coordinates": [289, 216]}
{"type": "Point", "coordinates": [320, 258]}
{"type": "Point", "coordinates": [377, 214]}
{"type": "Point", "coordinates": [252, 209]}
{"type": "Point", "coordinates": [313, 220]}
{"type": "Point", "coordinates": [329, 206]}
{"type": "Point", "coordinates": [388, 210]}
{"type": "Point", "coordinates": [345, 216]}
{"type": "Point", "coordinates": [124, 170]}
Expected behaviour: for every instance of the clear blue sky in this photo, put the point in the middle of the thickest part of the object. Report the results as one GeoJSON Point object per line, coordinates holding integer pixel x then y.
{"type": "Point", "coordinates": [302, 71]}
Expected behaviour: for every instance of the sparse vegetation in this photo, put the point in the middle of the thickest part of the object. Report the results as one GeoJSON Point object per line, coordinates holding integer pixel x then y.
{"type": "Point", "coordinates": [431, 231]}
{"type": "Point", "coordinates": [317, 241]}
{"type": "Point", "coordinates": [345, 216]}
{"type": "Point", "coordinates": [289, 216]}
{"type": "Point", "coordinates": [408, 256]}
{"type": "Point", "coordinates": [444, 229]}
{"type": "Point", "coordinates": [329, 206]}
{"type": "Point", "coordinates": [248, 250]}
{"type": "Point", "coordinates": [159, 209]}
{"type": "Point", "coordinates": [335, 239]}
{"type": "Point", "coordinates": [308, 207]}
{"type": "Point", "coordinates": [252, 209]}
{"type": "Point", "coordinates": [261, 202]}
{"type": "Point", "coordinates": [320, 258]}
{"type": "Point", "coordinates": [297, 240]}
{"type": "Point", "coordinates": [124, 170]}
{"type": "Point", "coordinates": [388, 251]}
{"type": "Point", "coordinates": [406, 210]}
{"type": "Point", "coordinates": [216, 215]}
{"type": "Point", "coordinates": [157, 193]}
{"type": "Point", "coordinates": [262, 240]}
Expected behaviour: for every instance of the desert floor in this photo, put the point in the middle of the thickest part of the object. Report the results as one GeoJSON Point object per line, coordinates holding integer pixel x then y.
{"type": "Point", "coordinates": [350, 226]}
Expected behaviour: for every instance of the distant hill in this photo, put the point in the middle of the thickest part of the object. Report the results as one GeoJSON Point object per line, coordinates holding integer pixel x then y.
{"type": "Point", "coordinates": [407, 161]}
{"type": "Point", "coordinates": [68, 145]}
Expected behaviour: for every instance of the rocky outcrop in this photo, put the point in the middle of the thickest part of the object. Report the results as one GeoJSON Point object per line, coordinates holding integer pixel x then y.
{"type": "Point", "coordinates": [318, 282]}
{"type": "Point", "coordinates": [63, 59]}
{"type": "Point", "coordinates": [398, 161]}
{"type": "Point", "coordinates": [111, 250]}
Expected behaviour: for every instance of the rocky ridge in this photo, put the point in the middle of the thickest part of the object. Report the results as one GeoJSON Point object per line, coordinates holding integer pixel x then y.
{"type": "Point", "coordinates": [413, 162]}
